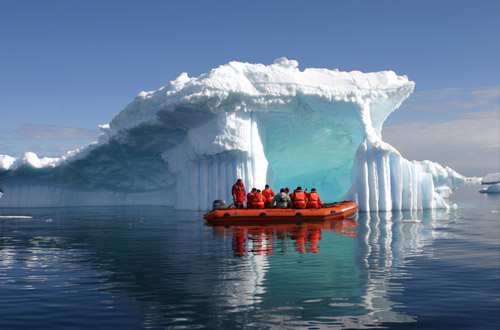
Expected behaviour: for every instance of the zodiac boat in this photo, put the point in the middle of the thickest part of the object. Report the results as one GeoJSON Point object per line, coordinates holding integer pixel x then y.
{"type": "Point", "coordinates": [330, 211]}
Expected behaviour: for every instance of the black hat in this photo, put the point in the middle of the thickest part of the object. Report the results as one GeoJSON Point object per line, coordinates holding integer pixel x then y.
{"type": "Point", "coordinates": [313, 189]}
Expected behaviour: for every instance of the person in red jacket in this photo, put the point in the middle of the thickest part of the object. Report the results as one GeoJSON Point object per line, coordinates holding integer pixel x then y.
{"type": "Point", "coordinates": [298, 198]}
{"type": "Point", "coordinates": [268, 194]}
{"type": "Point", "coordinates": [250, 196]}
{"type": "Point", "coordinates": [258, 200]}
{"type": "Point", "coordinates": [313, 201]}
{"type": "Point", "coordinates": [239, 194]}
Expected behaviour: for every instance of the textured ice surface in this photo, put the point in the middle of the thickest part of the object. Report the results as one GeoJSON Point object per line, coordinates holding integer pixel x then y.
{"type": "Point", "coordinates": [492, 178]}
{"type": "Point", "coordinates": [186, 143]}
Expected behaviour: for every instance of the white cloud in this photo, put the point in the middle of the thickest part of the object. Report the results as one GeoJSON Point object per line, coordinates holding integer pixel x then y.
{"type": "Point", "coordinates": [44, 140]}
{"type": "Point", "coordinates": [469, 144]}
{"type": "Point", "coordinates": [455, 127]}
{"type": "Point", "coordinates": [446, 104]}
{"type": "Point", "coordinates": [47, 132]}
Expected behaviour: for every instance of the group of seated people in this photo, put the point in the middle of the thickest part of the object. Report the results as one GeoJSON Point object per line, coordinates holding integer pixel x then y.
{"type": "Point", "coordinates": [257, 199]}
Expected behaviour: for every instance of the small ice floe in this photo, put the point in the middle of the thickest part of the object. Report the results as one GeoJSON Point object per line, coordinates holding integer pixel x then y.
{"type": "Point", "coordinates": [48, 220]}
{"type": "Point", "coordinates": [15, 217]}
{"type": "Point", "coordinates": [412, 220]}
{"type": "Point", "coordinates": [494, 188]}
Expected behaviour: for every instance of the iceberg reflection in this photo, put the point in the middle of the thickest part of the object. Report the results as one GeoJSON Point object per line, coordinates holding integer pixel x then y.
{"type": "Point", "coordinates": [354, 270]}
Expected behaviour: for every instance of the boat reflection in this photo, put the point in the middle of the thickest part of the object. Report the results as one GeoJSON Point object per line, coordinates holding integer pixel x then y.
{"type": "Point", "coordinates": [265, 237]}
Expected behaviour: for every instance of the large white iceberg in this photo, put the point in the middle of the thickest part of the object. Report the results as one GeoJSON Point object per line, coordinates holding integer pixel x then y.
{"type": "Point", "coordinates": [186, 143]}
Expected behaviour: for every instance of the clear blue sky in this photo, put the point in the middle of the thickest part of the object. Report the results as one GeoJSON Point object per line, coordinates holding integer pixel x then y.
{"type": "Point", "coordinates": [68, 66]}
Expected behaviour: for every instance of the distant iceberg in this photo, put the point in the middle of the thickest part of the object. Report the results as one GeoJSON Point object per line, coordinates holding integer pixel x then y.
{"type": "Point", "coordinates": [186, 143]}
{"type": "Point", "coordinates": [494, 188]}
{"type": "Point", "coordinates": [491, 178]}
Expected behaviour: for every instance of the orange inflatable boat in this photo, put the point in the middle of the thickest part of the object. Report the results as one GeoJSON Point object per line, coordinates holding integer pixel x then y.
{"type": "Point", "coordinates": [327, 212]}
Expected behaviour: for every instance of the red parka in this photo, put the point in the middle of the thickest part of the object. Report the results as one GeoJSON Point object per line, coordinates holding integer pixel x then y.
{"type": "Point", "coordinates": [250, 197]}
{"type": "Point", "coordinates": [239, 194]}
{"type": "Point", "coordinates": [313, 201]}
{"type": "Point", "coordinates": [268, 194]}
{"type": "Point", "coordinates": [258, 201]}
{"type": "Point", "coordinates": [299, 199]}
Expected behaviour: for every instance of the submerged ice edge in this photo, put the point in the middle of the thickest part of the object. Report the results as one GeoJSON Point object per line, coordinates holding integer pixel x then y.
{"type": "Point", "coordinates": [185, 144]}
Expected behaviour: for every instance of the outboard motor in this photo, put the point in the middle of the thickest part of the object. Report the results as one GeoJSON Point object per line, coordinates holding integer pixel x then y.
{"type": "Point", "coordinates": [219, 204]}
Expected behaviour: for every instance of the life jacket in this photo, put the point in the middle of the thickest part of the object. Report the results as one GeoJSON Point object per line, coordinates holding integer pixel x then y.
{"type": "Point", "coordinates": [268, 194]}
{"type": "Point", "coordinates": [299, 199]}
{"type": "Point", "coordinates": [258, 201]}
{"type": "Point", "coordinates": [313, 200]}
{"type": "Point", "coordinates": [250, 197]}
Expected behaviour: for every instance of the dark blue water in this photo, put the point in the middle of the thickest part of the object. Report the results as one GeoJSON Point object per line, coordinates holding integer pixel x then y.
{"type": "Point", "coordinates": [156, 268]}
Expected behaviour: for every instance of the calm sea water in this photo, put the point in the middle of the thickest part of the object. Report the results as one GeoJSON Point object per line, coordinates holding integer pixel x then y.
{"type": "Point", "coordinates": [156, 268]}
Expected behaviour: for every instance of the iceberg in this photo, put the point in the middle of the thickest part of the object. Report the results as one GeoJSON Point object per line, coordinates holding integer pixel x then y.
{"type": "Point", "coordinates": [185, 144]}
{"type": "Point", "coordinates": [491, 178]}
{"type": "Point", "coordinates": [494, 188]}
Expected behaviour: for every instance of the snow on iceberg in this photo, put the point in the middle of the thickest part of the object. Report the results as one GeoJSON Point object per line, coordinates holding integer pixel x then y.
{"type": "Point", "coordinates": [186, 143]}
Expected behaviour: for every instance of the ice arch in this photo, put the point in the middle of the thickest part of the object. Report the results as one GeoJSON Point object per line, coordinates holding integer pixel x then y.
{"type": "Point", "coordinates": [185, 144]}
